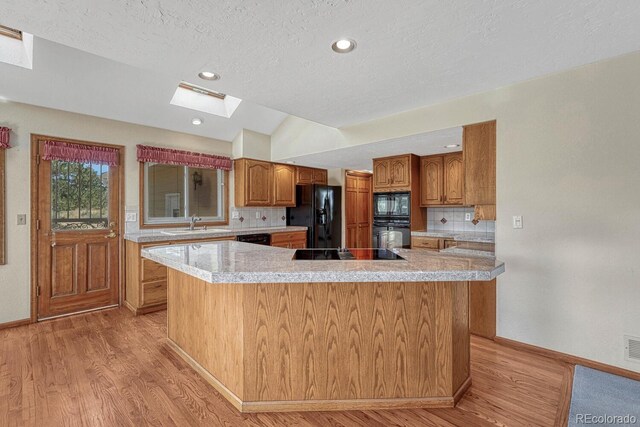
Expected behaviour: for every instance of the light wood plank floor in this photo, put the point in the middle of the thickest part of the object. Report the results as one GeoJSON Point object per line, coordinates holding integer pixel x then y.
{"type": "Point", "coordinates": [113, 369]}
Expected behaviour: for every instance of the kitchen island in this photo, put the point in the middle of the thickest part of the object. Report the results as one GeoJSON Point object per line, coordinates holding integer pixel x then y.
{"type": "Point", "coordinates": [271, 333]}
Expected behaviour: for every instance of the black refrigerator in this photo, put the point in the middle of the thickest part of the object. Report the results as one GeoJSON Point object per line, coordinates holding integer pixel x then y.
{"type": "Point", "coordinates": [319, 207]}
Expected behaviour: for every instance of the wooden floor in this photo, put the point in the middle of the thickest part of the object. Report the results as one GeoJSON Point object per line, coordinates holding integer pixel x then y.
{"type": "Point", "coordinates": [110, 368]}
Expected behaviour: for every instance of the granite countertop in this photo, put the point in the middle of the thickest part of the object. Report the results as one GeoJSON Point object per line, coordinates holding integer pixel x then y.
{"type": "Point", "coordinates": [470, 236]}
{"type": "Point", "coordinates": [468, 252]}
{"type": "Point", "coordinates": [238, 262]}
{"type": "Point", "coordinates": [211, 233]}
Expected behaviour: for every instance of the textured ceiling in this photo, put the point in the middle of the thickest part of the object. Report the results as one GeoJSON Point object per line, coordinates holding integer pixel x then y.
{"type": "Point", "coordinates": [277, 53]}
{"type": "Point", "coordinates": [361, 157]}
{"type": "Point", "coordinates": [72, 80]}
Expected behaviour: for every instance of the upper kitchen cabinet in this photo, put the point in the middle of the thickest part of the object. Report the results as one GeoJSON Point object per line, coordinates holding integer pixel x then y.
{"type": "Point", "coordinates": [320, 176]}
{"type": "Point", "coordinates": [479, 143]}
{"type": "Point", "coordinates": [284, 185]}
{"type": "Point", "coordinates": [253, 183]}
{"type": "Point", "coordinates": [442, 180]}
{"type": "Point", "coordinates": [305, 175]}
{"type": "Point", "coordinates": [431, 180]}
{"type": "Point", "coordinates": [395, 173]}
{"type": "Point", "coordinates": [261, 183]}
{"type": "Point", "coordinates": [453, 179]}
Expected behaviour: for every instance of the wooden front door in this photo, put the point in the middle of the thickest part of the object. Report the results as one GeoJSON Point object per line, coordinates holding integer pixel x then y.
{"type": "Point", "coordinates": [77, 226]}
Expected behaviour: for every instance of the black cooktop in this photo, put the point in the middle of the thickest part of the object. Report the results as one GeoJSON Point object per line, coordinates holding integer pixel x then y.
{"type": "Point", "coordinates": [346, 254]}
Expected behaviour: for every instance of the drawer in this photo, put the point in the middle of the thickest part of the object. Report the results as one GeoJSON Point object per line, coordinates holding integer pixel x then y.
{"type": "Point", "coordinates": [450, 244]}
{"type": "Point", "coordinates": [154, 292]}
{"type": "Point", "coordinates": [151, 270]}
{"type": "Point", "coordinates": [477, 246]}
{"type": "Point", "coordinates": [278, 238]}
{"type": "Point", "coordinates": [426, 243]}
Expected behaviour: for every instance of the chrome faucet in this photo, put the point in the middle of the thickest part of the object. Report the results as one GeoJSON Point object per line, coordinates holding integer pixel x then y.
{"type": "Point", "coordinates": [192, 223]}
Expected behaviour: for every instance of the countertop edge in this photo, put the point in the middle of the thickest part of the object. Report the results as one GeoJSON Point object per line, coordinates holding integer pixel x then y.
{"type": "Point", "coordinates": [157, 237]}
{"type": "Point", "coordinates": [325, 277]}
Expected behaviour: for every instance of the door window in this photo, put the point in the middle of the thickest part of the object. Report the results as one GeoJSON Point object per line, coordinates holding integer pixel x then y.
{"type": "Point", "coordinates": [79, 196]}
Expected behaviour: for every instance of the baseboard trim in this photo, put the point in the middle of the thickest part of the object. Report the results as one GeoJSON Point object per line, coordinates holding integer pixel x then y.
{"type": "Point", "coordinates": [568, 358]}
{"type": "Point", "coordinates": [15, 323]}
{"type": "Point", "coordinates": [230, 396]}
{"type": "Point", "coordinates": [144, 310]}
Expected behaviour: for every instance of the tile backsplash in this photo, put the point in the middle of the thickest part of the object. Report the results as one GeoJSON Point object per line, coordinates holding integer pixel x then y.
{"type": "Point", "coordinates": [453, 219]}
{"type": "Point", "coordinates": [268, 217]}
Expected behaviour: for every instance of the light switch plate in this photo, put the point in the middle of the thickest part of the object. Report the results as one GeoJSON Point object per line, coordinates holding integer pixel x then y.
{"type": "Point", "coordinates": [131, 217]}
{"type": "Point", "coordinates": [517, 221]}
{"type": "Point", "coordinates": [258, 215]}
{"type": "Point", "coordinates": [235, 214]}
{"type": "Point", "coordinates": [467, 216]}
{"type": "Point", "coordinates": [22, 219]}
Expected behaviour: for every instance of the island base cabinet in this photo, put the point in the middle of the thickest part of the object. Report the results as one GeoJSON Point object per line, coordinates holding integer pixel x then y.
{"type": "Point", "coordinates": [274, 347]}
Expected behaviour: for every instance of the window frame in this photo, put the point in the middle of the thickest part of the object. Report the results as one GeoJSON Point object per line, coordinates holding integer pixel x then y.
{"type": "Point", "coordinates": [3, 236]}
{"type": "Point", "coordinates": [143, 217]}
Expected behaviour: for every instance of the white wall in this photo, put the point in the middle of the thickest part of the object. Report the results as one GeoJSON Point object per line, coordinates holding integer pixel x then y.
{"type": "Point", "coordinates": [569, 162]}
{"type": "Point", "coordinates": [25, 120]}
{"type": "Point", "coordinates": [253, 145]}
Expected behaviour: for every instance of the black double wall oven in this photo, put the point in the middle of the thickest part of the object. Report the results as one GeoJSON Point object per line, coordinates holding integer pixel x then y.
{"type": "Point", "coordinates": [392, 220]}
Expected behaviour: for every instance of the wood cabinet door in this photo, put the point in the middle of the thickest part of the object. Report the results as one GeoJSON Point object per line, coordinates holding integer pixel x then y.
{"type": "Point", "coordinates": [351, 207]}
{"type": "Point", "coordinates": [320, 176]}
{"type": "Point", "coordinates": [400, 168]}
{"type": "Point", "coordinates": [258, 183]}
{"type": "Point", "coordinates": [431, 180]}
{"type": "Point", "coordinates": [284, 185]}
{"type": "Point", "coordinates": [364, 236]}
{"type": "Point", "coordinates": [358, 201]}
{"type": "Point", "coordinates": [453, 179]}
{"type": "Point", "coordinates": [381, 175]}
{"type": "Point", "coordinates": [352, 236]}
{"type": "Point", "coordinates": [304, 175]}
{"type": "Point", "coordinates": [480, 163]}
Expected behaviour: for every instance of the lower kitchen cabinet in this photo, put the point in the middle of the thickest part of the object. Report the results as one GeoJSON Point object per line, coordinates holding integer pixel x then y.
{"type": "Point", "coordinates": [482, 308]}
{"type": "Point", "coordinates": [290, 240]}
{"type": "Point", "coordinates": [146, 280]}
{"type": "Point", "coordinates": [429, 243]}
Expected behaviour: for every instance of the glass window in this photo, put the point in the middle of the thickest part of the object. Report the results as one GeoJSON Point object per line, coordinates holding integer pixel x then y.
{"type": "Point", "coordinates": [79, 196]}
{"type": "Point", "coordinates": [173, 194]}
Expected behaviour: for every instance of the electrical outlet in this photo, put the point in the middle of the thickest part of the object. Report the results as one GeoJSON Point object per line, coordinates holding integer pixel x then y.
{"type": "Point", "coordinates": [131, 217]}
{"type": "Point", "coordinates": [467, 216]}
{"type": "Point", "coordinates": [235, 214]}
{"type": "Point", "coordinates": [517, 221]}
{"type": "Point", "coordinates": [258, 214]}
{"type": "Point", "coordinates": [22, 219]}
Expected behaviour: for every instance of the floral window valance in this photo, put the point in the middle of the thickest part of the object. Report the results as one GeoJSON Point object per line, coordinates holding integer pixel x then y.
{"type": "Point", "coordinates": [71, 152]}
{"type": "Point", "coordinates": [5, 133]}
{"type": "Point", "coordinates": [169, 156]}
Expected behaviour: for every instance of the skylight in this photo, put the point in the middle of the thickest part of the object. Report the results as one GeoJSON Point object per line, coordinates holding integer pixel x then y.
{"type": "Point", "coordinates": [10, 32]}
{"type": "Point", "coordinates": [16, 47]}
{"type": "Point", "coordinates": [201, 99]}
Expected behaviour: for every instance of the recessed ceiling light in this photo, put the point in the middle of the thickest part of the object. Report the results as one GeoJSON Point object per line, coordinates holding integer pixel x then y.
{"type": "Point", "coordinates": [196, 121]}
{"type": "Point", "coordinates": [208, 75]}
{"type": "Point", "coordinates": [343, 45]}
{"type": "Point", "coordinates": [452, 146]}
